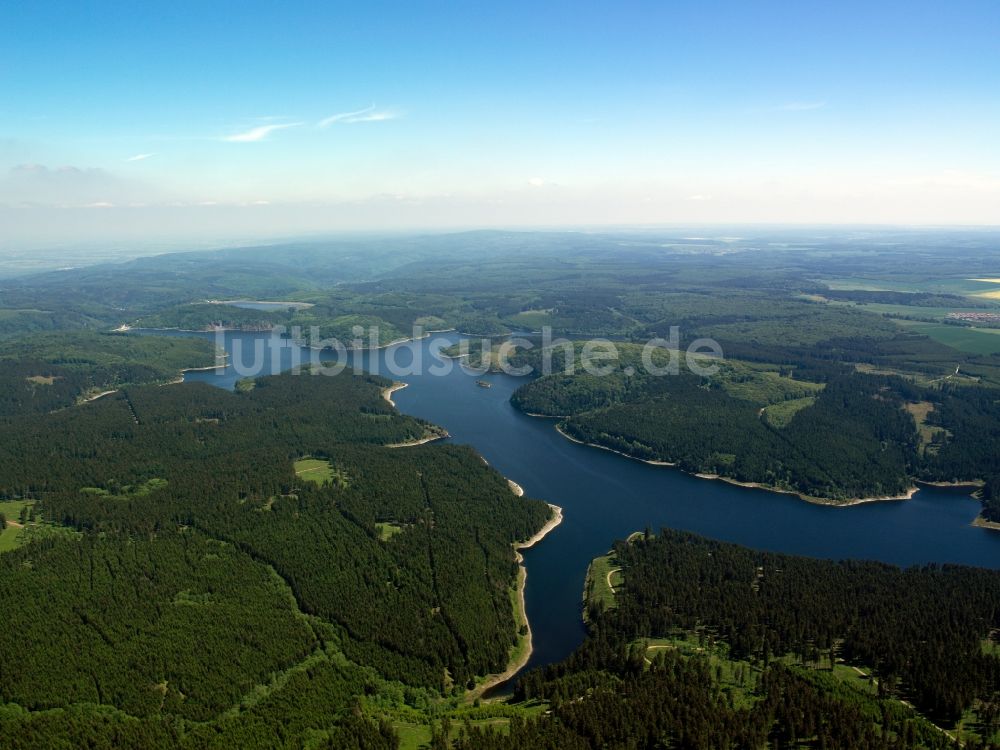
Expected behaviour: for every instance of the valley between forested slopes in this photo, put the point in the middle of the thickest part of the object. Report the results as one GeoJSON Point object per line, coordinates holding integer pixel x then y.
{"type": "Point", "coordinates": [813, 324]}
{"type": "Point", "coordinates": [820, 429]}
{"type": "Point", "coordinates": [168, 586]}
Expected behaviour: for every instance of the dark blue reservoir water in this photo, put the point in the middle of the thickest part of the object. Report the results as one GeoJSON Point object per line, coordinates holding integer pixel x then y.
{"type": "Point", "coordinates": [606, 496]}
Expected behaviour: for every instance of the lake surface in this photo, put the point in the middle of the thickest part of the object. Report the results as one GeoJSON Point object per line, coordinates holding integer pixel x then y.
{"type": "Point", "coordinates": [265, 306]}
{"type": "Point", "coordinates": [606, 496]}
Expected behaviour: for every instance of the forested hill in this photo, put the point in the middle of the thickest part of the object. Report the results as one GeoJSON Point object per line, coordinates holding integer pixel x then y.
{"type": "Point", "coordinates": [49, 371]}
{"type": "Point", "coordinates": [818, 427]}
{"type": "Point", "coordinates": [202, 577]}
{"type": "Point", "coordinates": [710, 645]}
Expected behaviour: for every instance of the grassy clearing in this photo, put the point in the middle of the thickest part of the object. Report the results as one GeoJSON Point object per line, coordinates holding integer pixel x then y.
{"type": "Point", "coordinates": [320, 471]}
{"type": "Point", "coordinates": [603, 576]}
{"type": "Point", "coordinates": [736, 677]}
{"type": "Point", "coordinates": [34, 526]}
{"type": "Point", "coordinates": [14, 535]}
{"type": "Point", "coordinates": [919, 411]}
{"type": "Point", "coordinates": [412, 736]}
{"type": "Point", "coordinates": [42, 379]}
{"type": "Point", "coordinates": [10, 538]}
{"type": "Point", "coordinates": [780, 414]}
{"type": "Point", "coordinates": [855, 678]}
{"type": "Point", "coordinates": [415, 734]}
{"type": "Point", "coordinates": [532, 319]}
{"type": "Point", "coordinates": [522, 644]}
{"type": "Point", "coordinates": [763, 386]}
{"type": "Point", "coordinates": [431, 322]}
{"type": "Point", "coordinates": [245, 385]}
{"type": "Point", "coordinates": [387, 530]}
{"type": "Point", "coordinates": [127, 491]}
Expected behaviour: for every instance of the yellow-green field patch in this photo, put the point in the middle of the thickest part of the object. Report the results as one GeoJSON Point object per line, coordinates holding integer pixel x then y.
{"type": "Point", "coordinates": [532, 319]}
{"type": "Point", "coordinates": [780, 414]}
{"type": "Point", "coordinates": [24, 525]}
{"type": "Point", "coordinates": [964, 338]}
{"type": "Point", "coordinates": [763, 386]}
{"type": "Point", "coordinates": [919, 411]}
{"type": "Point", "coordinates": [320, 471]}
{"type": "Point", "coordinates": [603, 576]}
{"type": "Point", "coordinates": [42, 379]}
{"type": "Point", "coordinates": [142, 489]}
{"type": "Point", "coordinates": [387, 530]}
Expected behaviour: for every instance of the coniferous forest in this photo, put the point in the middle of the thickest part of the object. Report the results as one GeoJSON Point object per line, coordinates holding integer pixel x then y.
{"type": "Point", "coordinates": [186, 566]}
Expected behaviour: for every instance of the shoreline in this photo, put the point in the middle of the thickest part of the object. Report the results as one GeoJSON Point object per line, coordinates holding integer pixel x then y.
{"type": "Point", "coordinates": [426, 335]}
{"type": "Point", "coordinates": [829, 502]}
{"type": "Point", "coordinates": [515, 487]}
{"type": "Point", "coordinates": [221, 366]}
{"type": "Point", "coordinates": [492, 681]}
{"type": "Point", "coordinates": [811, 498]}
{"type": "Point", "coordinates": [419, 441]}
{"type": "Point", "coordinates": [286, 303]}
{"type": "Point", "coordinates": [387, 392]}
{"type": "Point", "coordinates": [971, 483]}
{"type": "Point", "coordinates": [979, 522]}
{"type": "Point", "coordinates": [612, 450]}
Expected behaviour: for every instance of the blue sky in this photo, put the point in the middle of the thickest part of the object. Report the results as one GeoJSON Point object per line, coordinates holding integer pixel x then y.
{"type": "Point", "coordinates": [369, 115]}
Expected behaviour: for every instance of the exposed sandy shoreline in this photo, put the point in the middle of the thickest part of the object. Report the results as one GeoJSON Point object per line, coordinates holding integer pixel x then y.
{"type": "Point", "coordinates": [612, 450]}
{"type": "Point", "coordinates": [420, 441]}
{"type": "Point", "coordinates": [972, 483]}
{"type": "Point", "coordinates": [513, 668]}
{"type": "Point", "coordinates": [515, 487]}
{"type": "Point", "coordinates": [984, 524]}
{"type": "Point", "coordinates": [387, 392]}
{"type": "Point", "coordinates": [220, 366]}
{"type": "Point", "coordinates": [810, 498]}
{"type": "Point", "coordinates": [755, 485]}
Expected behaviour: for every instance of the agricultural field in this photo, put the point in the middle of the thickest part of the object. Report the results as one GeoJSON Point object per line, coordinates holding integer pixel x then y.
{"type": "Point", "coordinates": [964, 339]}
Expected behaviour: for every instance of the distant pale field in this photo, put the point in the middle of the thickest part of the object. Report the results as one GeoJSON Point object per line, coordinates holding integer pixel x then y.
{"type": "Point", "coordinates": [937, 286]}
{"type": "Point", "coordinates": [991, 293]}
{"type": "Point", "coordinates": [913, 311]}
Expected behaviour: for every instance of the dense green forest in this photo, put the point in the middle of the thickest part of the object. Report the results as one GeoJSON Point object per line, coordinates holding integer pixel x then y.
{"type": "Point", "coordinates": [206, 570]}
{"type": "Point", "coordinates": [45, 372]}
{"type": "Point", "coordinates": [714, 645]}
{"type": "Point", "coordinates": [177, 582]}
{"type": "Point", "coordinates": [835, 422]}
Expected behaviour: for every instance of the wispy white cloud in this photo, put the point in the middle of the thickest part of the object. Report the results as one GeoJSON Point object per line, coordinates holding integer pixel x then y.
{"type": "Point", "coordinates": [139, 157]}
{"type": "Point", "coordinates": [368, 114]}
{"type": "Point", "coordinates": [800, 106]}
{"type": "Point", "coordinates": [259, 133]}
